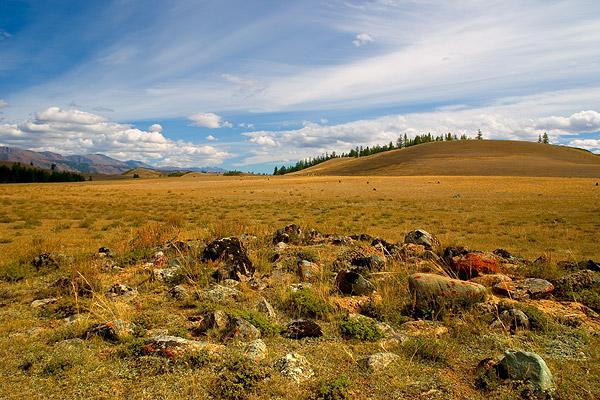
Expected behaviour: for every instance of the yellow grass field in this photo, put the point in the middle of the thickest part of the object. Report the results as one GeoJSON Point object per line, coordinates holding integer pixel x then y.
{"type": "Point", "coordinates": [45, 357]}
{"type": "Point", "coordinates": [528, 216]}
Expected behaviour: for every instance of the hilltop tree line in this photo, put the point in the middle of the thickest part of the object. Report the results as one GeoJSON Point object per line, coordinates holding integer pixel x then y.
{"type": "Point", "coordinates": [360, 151]}
{"type": "Point", "coordinates": [17, 173]}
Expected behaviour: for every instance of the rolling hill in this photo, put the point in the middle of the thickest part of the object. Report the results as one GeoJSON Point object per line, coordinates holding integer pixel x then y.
{"type": "Point", "coordinates": [468, 158]}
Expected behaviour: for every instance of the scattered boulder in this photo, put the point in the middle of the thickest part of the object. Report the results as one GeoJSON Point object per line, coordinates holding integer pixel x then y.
{"type": "Point", "coordinates": [295, 367]}
{"type": "Point", "coordinates": [573, 265]}
{"type": "Point", "coordinates": [340, 240]}
{"type": "Point", "coordinates": [527, 367]}
{"type": "Point", "coordinates": [43, 302]}
{"type": "Point", "coordinates": [367, 263]}
{"type": "Point", "coordinates": [104, 252]}
{"type": "Point", "coordinates": [266, 308]}
{"type": "Point", "coordinates": [48, 260]}
{"type": "Point", "coordinates": [489, 281]}
{"type": "Point", "coordinates": [219, 294]}
{"type": "Point", "coordinates": [288, 234]}
{"type": "Point", "coordinates": [353, 283]}
{"type": "Point", "coordinates": [352, 304]}
{"type": "Point", "coordinates": [529, 288]}
{"type": "Point", "coordinates": [232, 253]}
{"type": "Point", "coordinates": [308, 271]}
{"type": "Point", "coordinates": [119, 289]}
{"type": "Point", "coordinates": [385, 247]}
{"type": "Point", "coordinates": [218, 320]}
{"type": "Point", "coordinates": [377, 362]}
{"type": "Point", "coordinates": [256, 350]}
{"type": "Point", "coordinates": [240, 329]}
{"type": "Point", "coordinates": [473, 264]}
{"type": "Point", "coordinates": [281, 246]}
{"type": "Point", "coordinates": [174, 347]}
{"type": "Point", "coordinates": [577, 281]}
{"type": "Point", "coordinates": [166, 275]}
{"type": "Point", "coordinates": [434, 292]}
{"type": "Point", "coordinates": [512, 320]}
{"type": "Point", "coordinates": [113, 331]}
{"type": "Point", "coordinates": [302, 328]}
{"type": "Point", "coordinates": [159, 259]}
{"type": "Point", "coordinates": [362, 237]}
{"type": "Point", "coordinates": [423, 238]}
{"type": "Point", "coordinates": [178, 292]}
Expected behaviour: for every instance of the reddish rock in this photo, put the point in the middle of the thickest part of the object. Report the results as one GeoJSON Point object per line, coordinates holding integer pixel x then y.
{"type": "Point", "coordinates": [490, 281]}
{"type": "Point", "coordinates": [474, 264]}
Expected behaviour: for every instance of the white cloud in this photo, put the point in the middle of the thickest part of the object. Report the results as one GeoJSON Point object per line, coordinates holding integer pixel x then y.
{"type": "Point", "coordinates": [580, 122]}
{"type": "Point", "coordinates": [3, 103]}
{"type": "Point", "coordinates": [78, 132]}
{"type": "Point", "coordinates": [246, 125]}
{"type": "Point", "coordinates": [508, 119]}
{"type": "Point", "coordinates": [155, 128]}
{"type": "Point", "coordinates": [588, 144]}
{"type": "Point", "coordinates": [362, 39]}
{"type": "Point", "coordinates": [211, 138]}
{"type": "Point", "coordinates": [262, 138]}
{"type": "Point", "coordinates": [209, 120]}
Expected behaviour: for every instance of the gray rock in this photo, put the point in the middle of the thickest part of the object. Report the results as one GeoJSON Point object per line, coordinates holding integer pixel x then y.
{"type": "Point", "coordinates": [219, 294]}
{"type": "Point", "coordinates": [218, 320]}
{"type": "Point", "coordinates": [433, 292]}
{"type": "Point", "coordinates": [308, 271]}
{"type": "Point", "coordinates": [178, 293]}
{"type": "Point", "coordinates": [424, 238]}
{"type": "Point", "coordinates": [353, 283]}
{"type": "Point", "coordinates": [377, 362]}
{"type": "Point", "coordinates": [256, 350]}
{"type": "Point", "coordinates": [175, 347]}
{"type": "Point", "coordinates": [289, 234]}
{"type": "Point", "coordinates": [240, 329]}
{"type": "Point", "coordinates": [166, 275]}
{"type": "Point", "coordinates": [48, 260]}
{"type": "Point", "coordinates": [114, 331]}
{"type": "Point", "coordinates": [43, 302]}
{"type": "Point", "coordinates": [529, 288]}
{"type": "Point", "coordinates": [119, 289]}
{"type": "Point", "coordinates": [295, 367]}
{"type": "Point", "coordinates": [578, 281]}
{"type": "Point", "coordinates": [528, 367]}
{"type": "Point", "coordinates": [302, 328]}
{"type": "Point", "coordinates": [512, 320]}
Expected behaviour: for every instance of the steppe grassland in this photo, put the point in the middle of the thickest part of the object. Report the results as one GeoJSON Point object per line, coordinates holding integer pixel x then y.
{"type": "Point", "coordinates": [556, 217]}
{"type": "Point", "coordinates": [527, 216]}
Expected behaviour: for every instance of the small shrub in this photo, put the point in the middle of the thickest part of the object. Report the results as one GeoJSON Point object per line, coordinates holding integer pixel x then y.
{"type": "Point", "coordinates": [334, 390]}
{"type": "Point", "coordinates": [239, 379]}
{"type": "Point", "coordinates": [538, 321]}
{"type": "Point", "coordinates": [361, 328]}
{"type": "Point", "coordinates": [305, 303]}
{"type": "Point", "coordinates": [589, 298]}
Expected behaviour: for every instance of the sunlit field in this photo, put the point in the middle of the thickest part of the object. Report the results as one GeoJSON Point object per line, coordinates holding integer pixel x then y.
{"type": "Point", "coordinates": [45, 355]}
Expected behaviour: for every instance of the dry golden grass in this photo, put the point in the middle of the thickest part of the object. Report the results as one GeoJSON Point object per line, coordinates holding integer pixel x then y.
{"type": "Point", "coordinates": [558, 217]}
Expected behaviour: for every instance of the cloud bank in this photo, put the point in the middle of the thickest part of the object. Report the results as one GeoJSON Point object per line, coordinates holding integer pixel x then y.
{"type": "Point", "coordinates": [71, 131]}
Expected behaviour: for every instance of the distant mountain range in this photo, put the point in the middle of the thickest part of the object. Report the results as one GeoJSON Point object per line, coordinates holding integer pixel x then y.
{"type": "Point", "coordinates": [87, 164]}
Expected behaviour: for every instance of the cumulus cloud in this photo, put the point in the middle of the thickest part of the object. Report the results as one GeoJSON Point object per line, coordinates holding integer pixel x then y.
{"type": "Point", "coordinates": [496, 122]}
{"type": "Point", "coordinates": [588, 144]}
{"type": "Point", "coordinates": [362, 39]}
{"type": "Point", "coordinates": [211, 138]}
{"type": "Point", "coordinates": [209, 120]}
{"type": "Point", "coordinates": [3, 103]}
{"type": "Point", "coordinates": [155, 128]}
{"type": "Point", "coordinates": [77, 132]}
{"type": "Point", "coordinates": [580, 122]}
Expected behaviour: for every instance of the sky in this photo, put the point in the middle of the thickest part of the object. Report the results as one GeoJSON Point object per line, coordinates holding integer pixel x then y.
{"type": "Point", "coordinates": [249, 85]}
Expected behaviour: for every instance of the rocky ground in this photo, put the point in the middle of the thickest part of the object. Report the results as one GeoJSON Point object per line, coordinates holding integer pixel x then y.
{"type": "Point", "coordinates": [301, 314]}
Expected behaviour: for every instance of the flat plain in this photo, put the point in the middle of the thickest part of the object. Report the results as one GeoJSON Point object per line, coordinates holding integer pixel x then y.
{"type": "Point", "coordinates": [557, 218]}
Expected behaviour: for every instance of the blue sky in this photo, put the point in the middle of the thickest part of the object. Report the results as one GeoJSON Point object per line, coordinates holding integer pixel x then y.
{"type": "Point", "coordinates": [253, 84]}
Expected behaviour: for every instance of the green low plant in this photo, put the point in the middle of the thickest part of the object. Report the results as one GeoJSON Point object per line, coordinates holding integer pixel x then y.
{"type": "Point", "coordinates": [361, 328]}
{"type": "Point", "coordinates": [305, 303]}
{"type": "Point", "coordinates": [334, 390]}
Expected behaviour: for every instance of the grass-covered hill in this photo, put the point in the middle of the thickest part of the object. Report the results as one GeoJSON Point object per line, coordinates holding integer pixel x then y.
{"type": "Point", "coordinates": [468, 158]}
